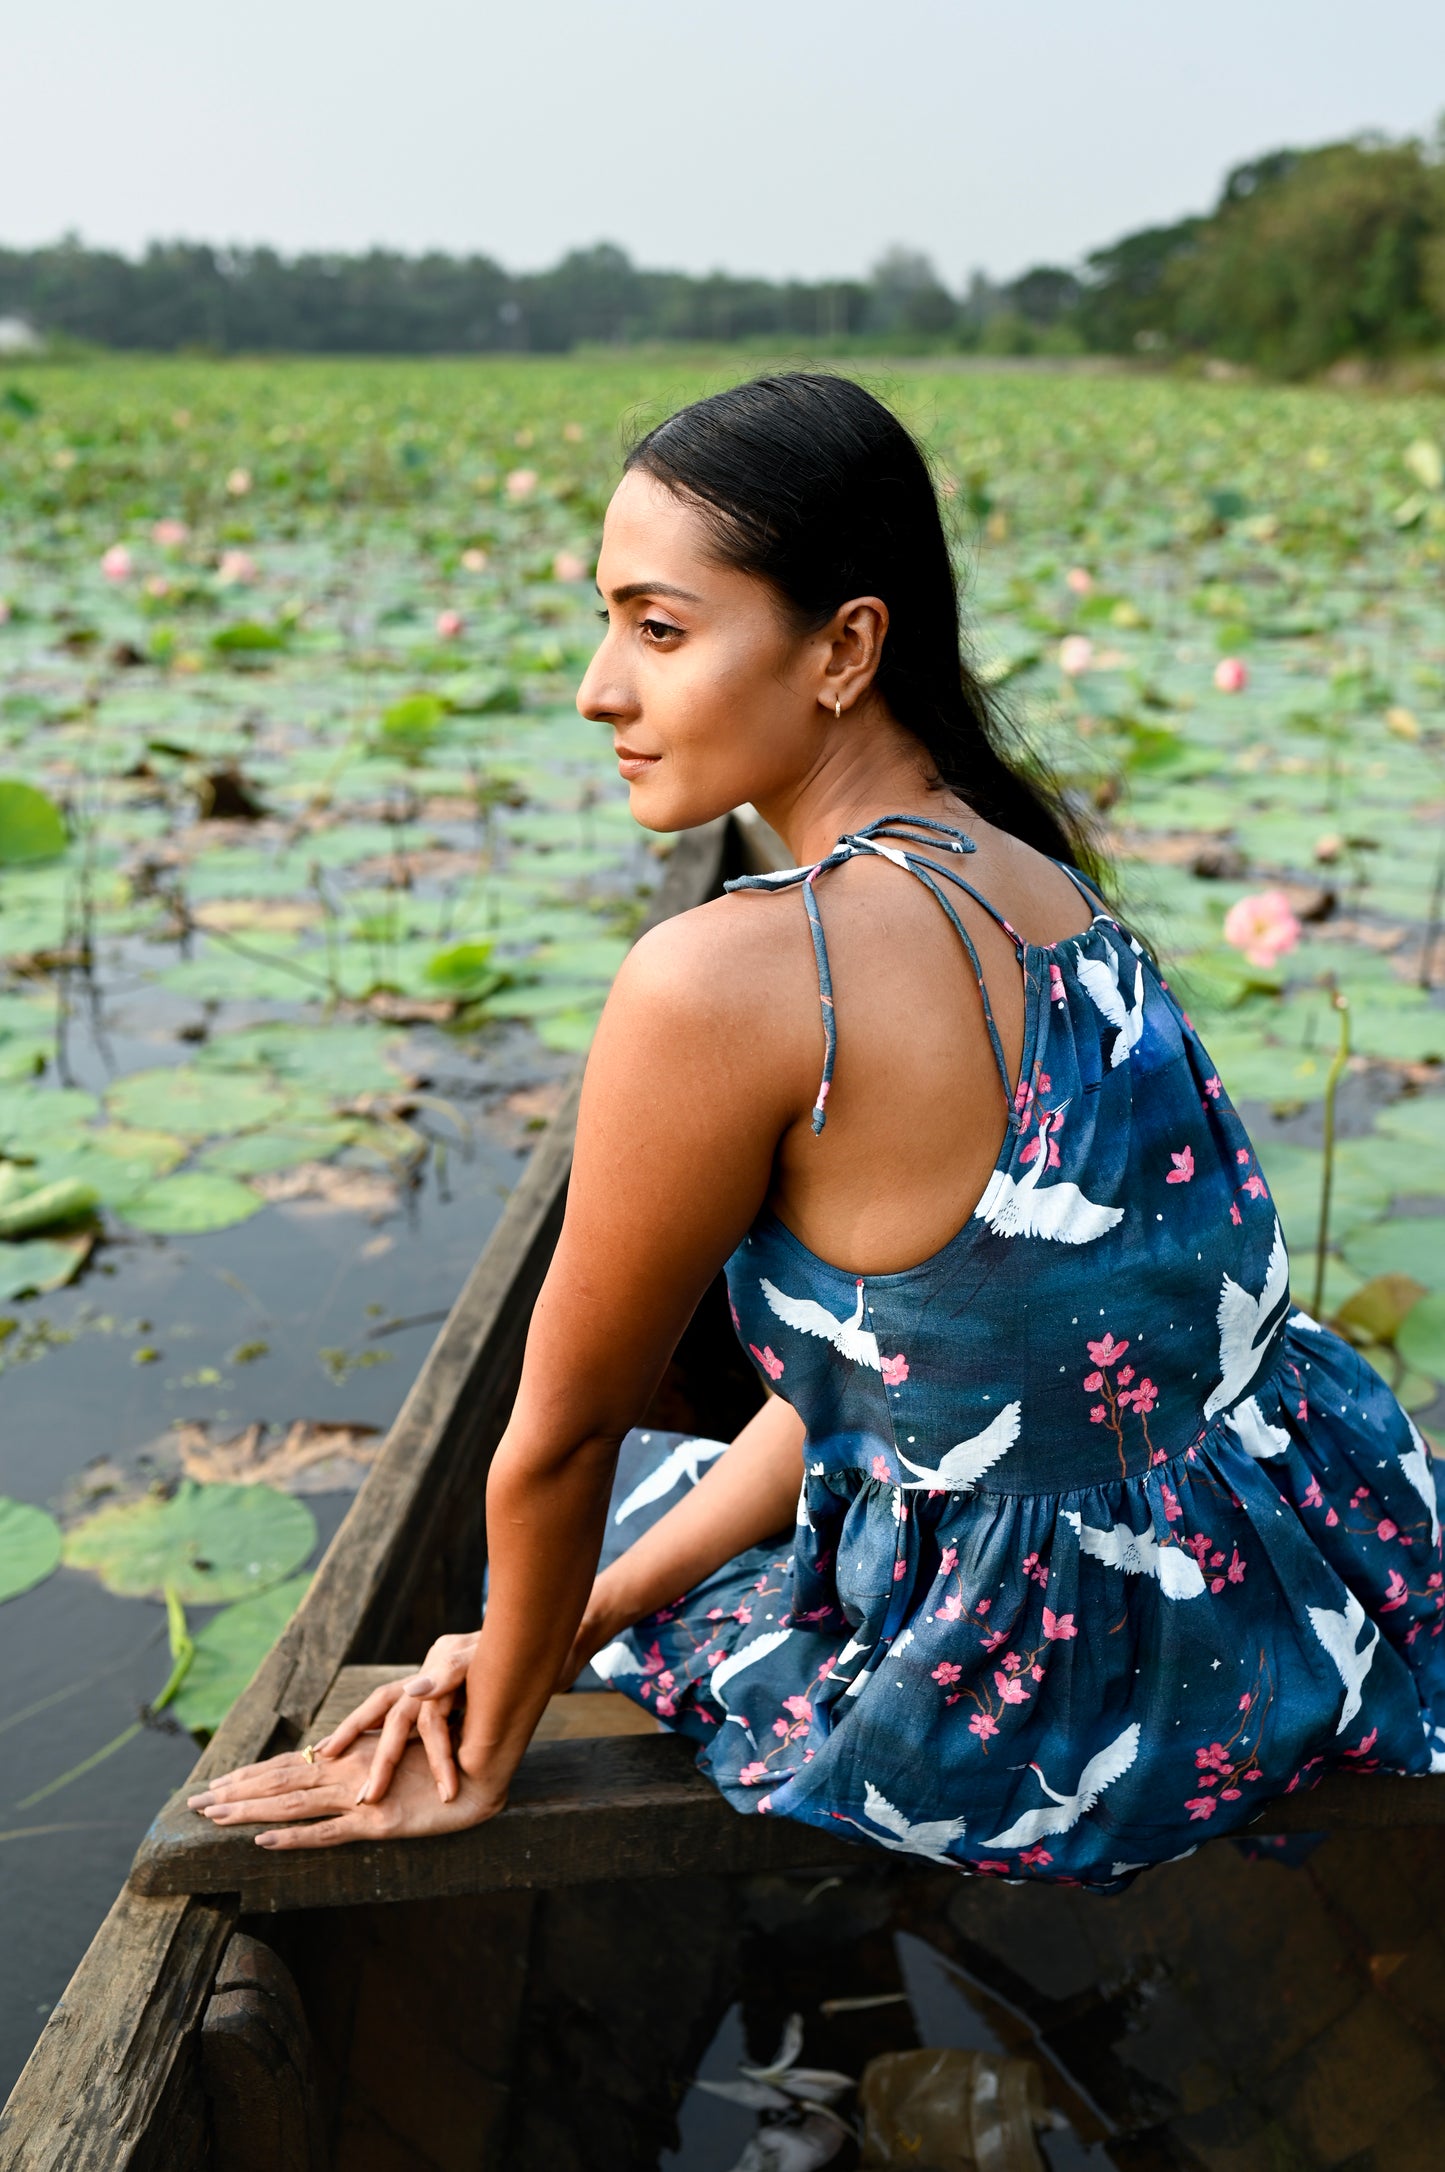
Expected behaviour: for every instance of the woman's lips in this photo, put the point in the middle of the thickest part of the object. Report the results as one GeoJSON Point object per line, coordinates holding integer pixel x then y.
{"type": "Point", "coordinates": [632, 765]}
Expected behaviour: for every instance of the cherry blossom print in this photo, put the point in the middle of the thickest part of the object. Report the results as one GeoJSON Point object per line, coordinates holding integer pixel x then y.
{"type": "Point", "coordinates": [1058, 1626]}
{"type": "Point", "coordinates": [771, 1365]}
{"type": "Point", "coordinates": [1183, 1169]}
{"type": "Point", "coordinates": [894, 1370]}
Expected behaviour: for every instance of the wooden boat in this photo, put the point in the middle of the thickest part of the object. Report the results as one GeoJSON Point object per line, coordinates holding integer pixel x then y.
{"type": "Point", "coordinates": [359, 2007]}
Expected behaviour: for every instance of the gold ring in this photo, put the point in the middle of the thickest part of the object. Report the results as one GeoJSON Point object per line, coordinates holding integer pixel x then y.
{"type": "Point", "coordinates": [309, 1753]}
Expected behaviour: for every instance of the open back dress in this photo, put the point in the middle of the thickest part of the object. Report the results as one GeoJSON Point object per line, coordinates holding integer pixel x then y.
{"type": "Point", "coordinates": [1102, 1542]}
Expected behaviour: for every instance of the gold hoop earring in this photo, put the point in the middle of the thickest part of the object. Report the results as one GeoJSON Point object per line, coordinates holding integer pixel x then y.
{"type": "Point", "coordinates": [838, 708]}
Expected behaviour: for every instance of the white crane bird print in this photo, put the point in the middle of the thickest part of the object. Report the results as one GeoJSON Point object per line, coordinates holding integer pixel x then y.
{"type": "Point", "coordinates": [1027, 1207]}
{"type": "Point", "coordinates": [1063, 1811]}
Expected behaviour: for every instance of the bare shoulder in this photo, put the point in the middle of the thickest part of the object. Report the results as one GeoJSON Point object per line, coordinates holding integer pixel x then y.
{"type": "Point", "coordinates": [732, 960]}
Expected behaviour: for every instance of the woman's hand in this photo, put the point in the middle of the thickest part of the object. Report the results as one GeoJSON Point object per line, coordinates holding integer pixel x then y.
{"type": "Point", "coordinates": [321, 1805]}
{"type": "Point", "coordinates": [421, 1703]}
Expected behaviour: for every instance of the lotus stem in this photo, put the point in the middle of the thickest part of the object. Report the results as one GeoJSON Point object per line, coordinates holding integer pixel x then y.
{"type": "Point", "coordinates": [1341, 1004]}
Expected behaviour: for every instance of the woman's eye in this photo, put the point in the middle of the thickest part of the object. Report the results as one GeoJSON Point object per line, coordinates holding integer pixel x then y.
{"type": "Point", "coordinates": [658, 629]}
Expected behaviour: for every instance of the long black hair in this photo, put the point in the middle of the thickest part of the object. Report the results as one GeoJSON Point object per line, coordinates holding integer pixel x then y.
{"type": "Point", "coordinates": [811, 483]}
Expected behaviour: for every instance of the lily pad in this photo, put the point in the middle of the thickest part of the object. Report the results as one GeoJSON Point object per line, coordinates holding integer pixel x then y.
{"type": "Point", "coordinates": [29, 1547]}
{"type": "Point", "coordinates": [260, 1153]}
{"type": "Point", "coordinates": [229, 1650]}
{"type": "Point", "coordinates": [198, 1103]}
{"type": "Point", "coordinates": [210, 1543]}
{"type": "Point", "coordinates": [344, 1060]}
{"type": "Point", "coordinates": [27, 1208]}
{"type": "Point", "coordinates": [1407, 1245]}
{"type": "Point", "coordinates": [31, 825]}
{"type": "Point", "coordinates": [33, 1265]}
{"type": "Point", "coordinates": [1421, 1341]}
{"type": "Point", "coordinates": [29, 1114]}
{"type": "Point", "coordinates": [190, 1204]}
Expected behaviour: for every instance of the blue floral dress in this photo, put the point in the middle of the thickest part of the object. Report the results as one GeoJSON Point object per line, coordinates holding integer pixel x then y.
{"type": "Point", "coordinates": [1102, 1542]}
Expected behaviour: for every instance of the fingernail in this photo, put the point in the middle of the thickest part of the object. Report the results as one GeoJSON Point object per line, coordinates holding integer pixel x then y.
{"type": "Point", "coordinates": [198, 1802]}
{"type": "Point", "coordinates": [362, 1796]}
{"type": "Point", "coordinates": [421, 1685]}
{"type": "Point", "coordinates": [323, 1745]}
{"type": "Point", "coordinates": [265, 1840]}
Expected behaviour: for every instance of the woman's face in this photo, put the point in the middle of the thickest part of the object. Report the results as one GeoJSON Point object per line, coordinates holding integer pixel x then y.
{"type": "Point", "coordinates": [712, 698]}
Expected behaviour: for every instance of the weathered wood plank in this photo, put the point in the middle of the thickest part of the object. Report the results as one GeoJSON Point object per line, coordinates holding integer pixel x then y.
{"type": "Point", "coordinates": [258, 2066]}
{"type": "Point", "coordinates": [569, 1718]}
{"type": "Point", "coordinates": [93, 2092]}
{"type": "Point", "coordinates": [605, 1808]}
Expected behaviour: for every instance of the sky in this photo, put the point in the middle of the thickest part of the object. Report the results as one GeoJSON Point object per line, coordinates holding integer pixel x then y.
{"type": "Point", "coordinates": [783, 137]}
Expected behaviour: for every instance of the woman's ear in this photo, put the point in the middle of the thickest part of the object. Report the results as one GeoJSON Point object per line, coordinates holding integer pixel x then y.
{"type": "Point", "coordinates": [853, 649]}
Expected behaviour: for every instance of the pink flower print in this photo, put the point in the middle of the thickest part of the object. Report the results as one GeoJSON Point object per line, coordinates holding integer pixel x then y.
{"type": "Point", "coordinates": [744, 1614]}
{"type": "Point", "coordinates": [880, 1468]}
{"type": "Point", "coordinates": [1384, 1529]}
{"type": "Point", "coordinates": [799, 1707]}
{"type": "Point", "coordinates": [715, 1613]}
{"type": "Point", "coordinates": [1035, 1571]}
{"type": "Point", "coordinates": [1398, 1593]}
{"type": "Point", "coordinates": [1214, 1759]}
{"type": "Point", "coordinates": [948, 1561]}
{"type": "Point", "coordinates": [1241, 1155]}
{"type": "Point", "coordinates": [1255, 1186]}
{"type": "Point", "coordinates": [1146, 1395]}
{"type": "Point", "coordinates": [1036, 1671]}
{"type": "Point", "coordinates": [1200, 1806]}
{"type": "Point", "coordinates": [1235, 1571]}
{"type": "Point", "coordinates": [1230, 1794]}
{"type": "Point", "coordinates": [772, 1365]}
{"type": "Point", "coordinates": [983, 1724]}
{"type": "Point", "coordinates": [1057, 1626]}
{"type": "Point", "coordinates": [1199, 1546]}
{"type": "Point", "coordinates": [1172, 1510]}
{"type": "Point", "coordinates": [1108, 1352]}
{"type": "Point", "coordinates": [900, 1570]}
{"type": "Point", "coordinates": [946, 1673]}
{"type": "Point", "coordinates": [1010, 1689]}
{"type": "Point", "coordinates": [1245, 1702]}
{"type": "Point", "coordinates": [1363, 1748]}
{"type": "Point", "coordinates": [665, 1707]}
{"type": "Point", "coordinates": [894, 1369]}
{"type": "Point", "coordinates": [780, 1728]}
{"type": "Point", "coordinates": [992, 1643]}
{"type": "Point", "coordinates": [1125, 1375]}
{"type": "Point", "coordinates": [1234, 1214]}
{"type": "Point", "coordinates": [1183, 1169]}
{"type": "Point", "coordinates": [715, 1659]}
{"type": "Point", "coordinates": [1313, 1498]}
{"type": "Point", "coordinates": [1036, 1857]}
{"type": "Point", "coordinates": [951, 1608]}
{"type": "Point", "coordinates": [751, 1774]}
{"type": "Point", "coordinates": [1331, 1519]}
{"type": "Point", "coordinates": [732, 1308]}
{"type": "Point", "coordinates": [1092, 1383]}
{"type": "Point", "coordinates": [1056, 985]}
{"type": "Point", "coordinates": [1012, 1662]}
{"type": "Point", "coordinates": [983, 1606]}
{"type": "Point", "coordinates": [1097, 1414]}
{"type": "Point", "coordinates": [1211, 1086]}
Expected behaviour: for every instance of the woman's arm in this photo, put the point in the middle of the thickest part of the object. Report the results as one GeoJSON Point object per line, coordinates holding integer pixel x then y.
{"type": "Point", "coordinates": [746, 1496]}
{"type": "Point", "coordinates": [699, 1066]}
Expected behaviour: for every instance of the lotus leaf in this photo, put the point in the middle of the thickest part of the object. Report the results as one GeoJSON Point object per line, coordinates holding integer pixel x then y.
{"type": "Point", "coordinates": [27, 1208]}
{"type": "Point", "coordinates": [29, 1547]}
{"type": "Point", "coordinates": [31, 825]}
{"type": "Point", "coordinates": [198, 1103]}
{"type": "Point", "coordinates": [1407, 1244]}
{"type": "Point", "coordinates": [31, 1116]}
{"type": "Point", "coordinates": [1421, 1340]}
{"type": "Point", "coordinates": [190, 1204]}
{"type": "Point", "coordinates": [210, 1543]}
{"type": "Point", "coordinates": [32, 1265]}
{"type": "Point", "coordinates": [465, 970]}
{"type": "Point", "coordinates": [344, 1060]}
{"type": "Point", "coordinates": [258, 1153]}
{"type": "Point", "coordinates": [228, 1651]}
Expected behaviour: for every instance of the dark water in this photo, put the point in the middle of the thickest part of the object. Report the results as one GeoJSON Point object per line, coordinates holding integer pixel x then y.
{"type": "Point", "coordinates": [76, 1664]}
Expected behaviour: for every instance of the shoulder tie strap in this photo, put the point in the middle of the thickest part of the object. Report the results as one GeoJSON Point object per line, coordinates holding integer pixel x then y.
{"type": "Point", "coordinates": [903, 831]}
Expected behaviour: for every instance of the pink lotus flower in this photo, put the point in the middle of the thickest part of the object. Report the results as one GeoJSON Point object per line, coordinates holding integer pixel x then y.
{"type": "Point", "coordinates": [521, 483]}
{"type": "Point", "coordinates": [772, 1365]}
{"type": "Point", "coordinates": [567, 566]}
{"type": "Point", "coordinates": [894, 1369]}
{"type": "Point", "coordinates": [170, 534]}
{"type": "Point", "coordinates": [1080, 581]}
{"type": "Point", "coordinates": [1076, 653]}
{"type": "Point", "coordinates": [1263, 927]}
{"type": "Point", "coordinates": [238, 482]}
{"type": "Point", "coordinates": [449, 625]}
{"type": "Point", "coordinates": [238, 569]}
{"type": "Point", "coordinates": [1183, 1168]}
{"type": "Point", "coordinates": [474, 561]}
{"type": "Point", "coordinates": [1058, 1626]}
{"type": "Point", "coordinates": [157, 585]}
{"type": "Point", "coordinates": [117, 564]}
{"type": "Point", "coordinates": [1231, 675]}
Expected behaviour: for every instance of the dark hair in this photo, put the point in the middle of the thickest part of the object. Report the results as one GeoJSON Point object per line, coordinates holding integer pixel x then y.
{"type": "Point", "coordinates": [812, 484]}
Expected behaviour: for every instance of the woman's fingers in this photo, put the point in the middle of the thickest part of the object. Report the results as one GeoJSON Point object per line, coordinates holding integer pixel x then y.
{"type": "Point", "coordinates": [390, 1748]}
{"type": "Point", "coordinates": [436, 1739]}
{"type": "Point", "coordinates": [259, 1809]}
{"type": "Point", "coordinates": [273, 1776]}
{"type": "Point", "coordinates": [367, 1717]}
{"type": "Point", "coordinates": [326, 1833]}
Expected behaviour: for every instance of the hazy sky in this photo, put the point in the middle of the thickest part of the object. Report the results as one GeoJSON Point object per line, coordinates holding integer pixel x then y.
{"type": "Point", "coordinates": [776, 136]}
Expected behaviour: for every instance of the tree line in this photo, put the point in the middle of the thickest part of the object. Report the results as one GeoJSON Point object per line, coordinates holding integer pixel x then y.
{"type": "Point", "coordinates": [1308, 256]}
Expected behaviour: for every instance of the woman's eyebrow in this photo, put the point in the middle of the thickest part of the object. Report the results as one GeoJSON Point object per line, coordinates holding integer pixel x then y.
{"type": "Point", "coordinates": [633, 589]}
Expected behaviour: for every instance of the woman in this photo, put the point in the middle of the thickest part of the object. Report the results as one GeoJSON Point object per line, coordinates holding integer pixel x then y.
{"type": "Point", "coordinates": [1100, 1544]}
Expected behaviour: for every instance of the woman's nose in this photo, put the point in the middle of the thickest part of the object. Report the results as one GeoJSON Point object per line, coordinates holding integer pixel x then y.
{"type": "Point", "coordinates": [600, 698]}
